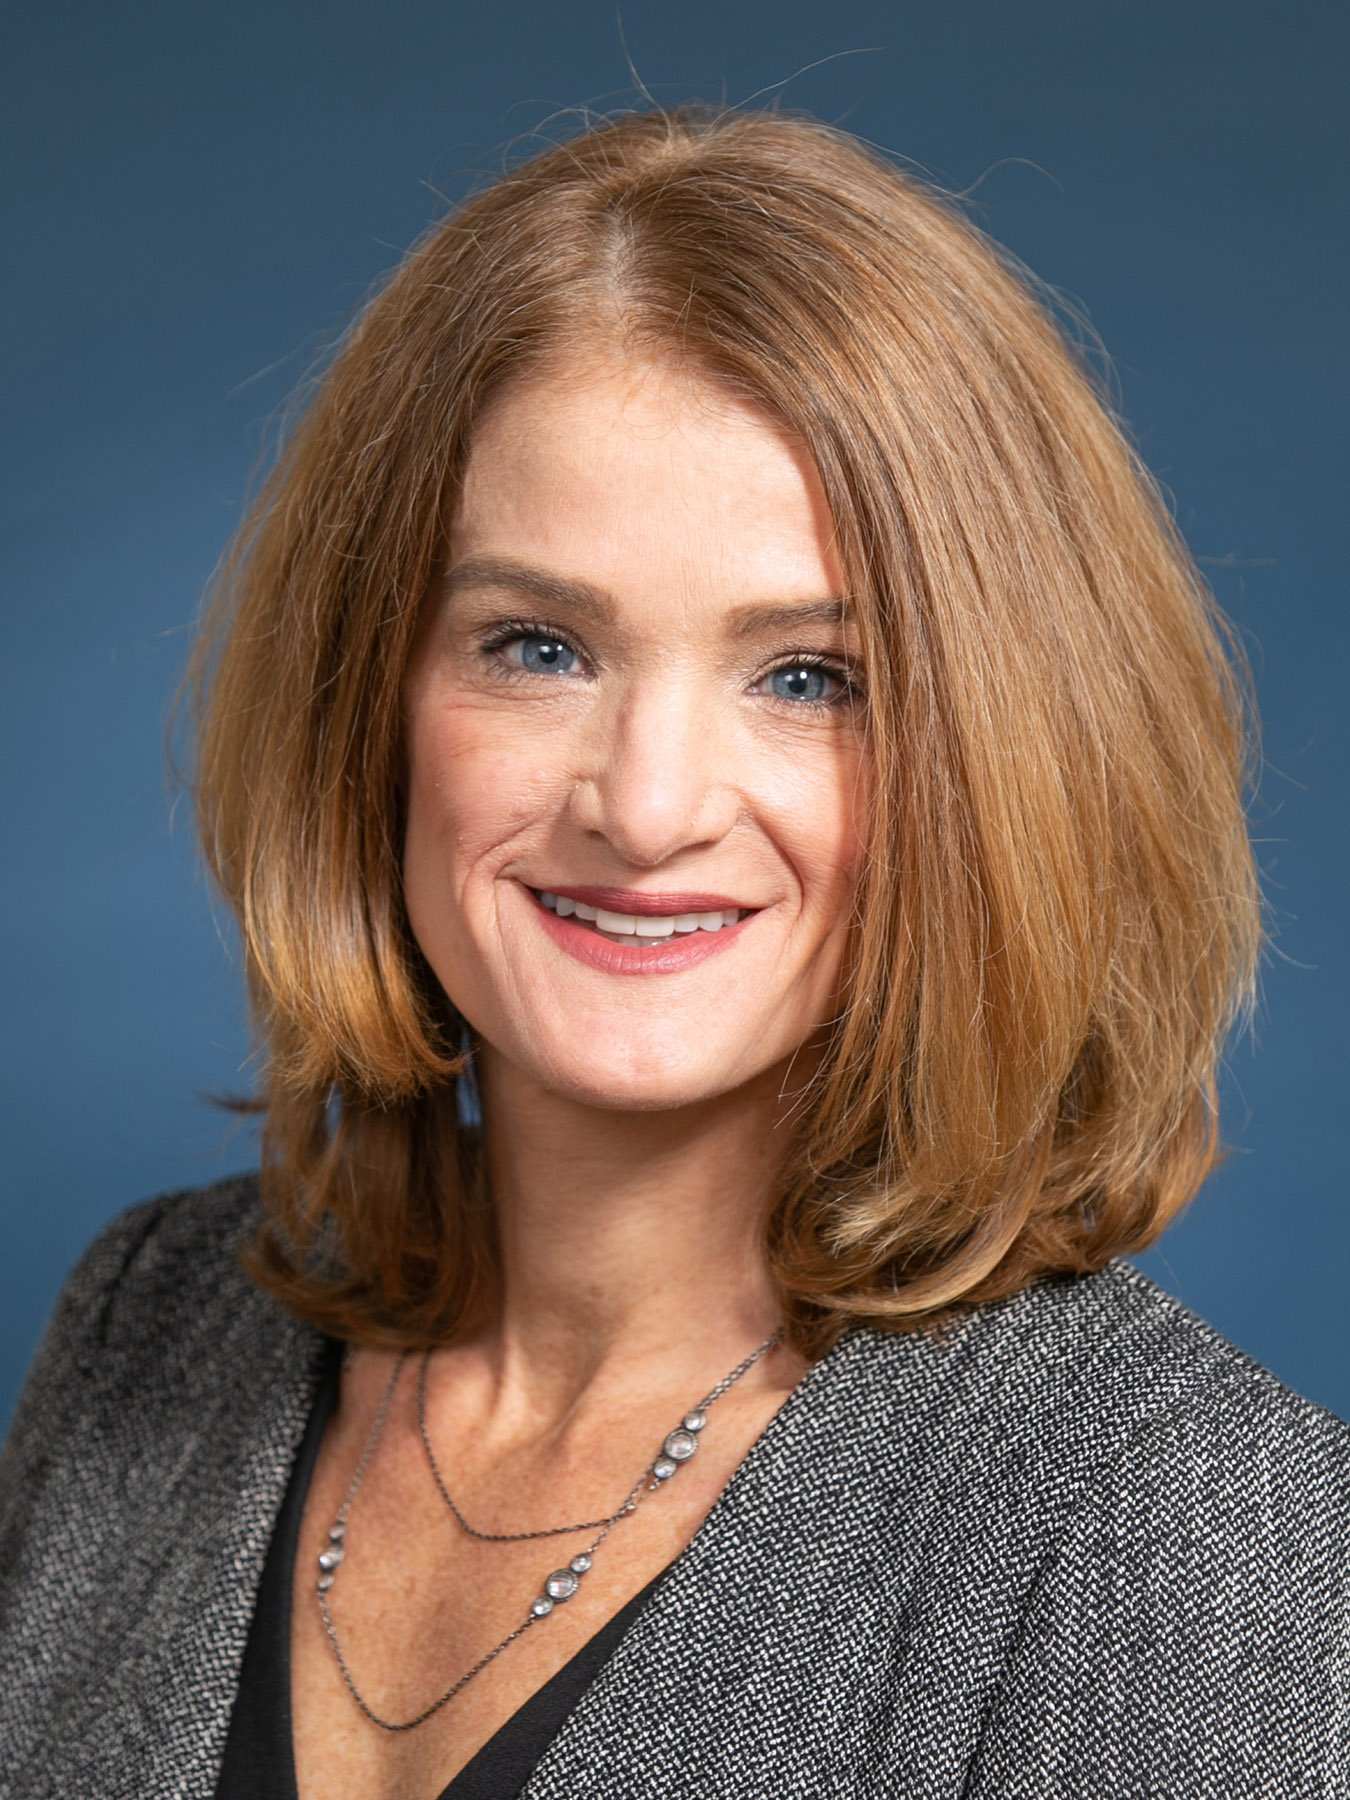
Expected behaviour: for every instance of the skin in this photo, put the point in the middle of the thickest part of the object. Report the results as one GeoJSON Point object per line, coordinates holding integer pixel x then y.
{"type": "Point", "coordinates": [632, 1123]}
{"type": "Point", "coordinates": [631, 1120]}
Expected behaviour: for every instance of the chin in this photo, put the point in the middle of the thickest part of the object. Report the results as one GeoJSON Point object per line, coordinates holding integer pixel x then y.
{"type": "Point", "coordinates": [637, 1093]}
{"type": "Point", "coordinates": [612, 1084]}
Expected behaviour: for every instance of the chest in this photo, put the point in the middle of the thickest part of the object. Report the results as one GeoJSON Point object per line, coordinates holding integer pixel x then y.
{"type": "Point", "coordinates": [417, 1603]}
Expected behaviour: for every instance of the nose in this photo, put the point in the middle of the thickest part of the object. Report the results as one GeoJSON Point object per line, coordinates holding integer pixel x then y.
{"type": "Point", "coordinates": [657, 772]}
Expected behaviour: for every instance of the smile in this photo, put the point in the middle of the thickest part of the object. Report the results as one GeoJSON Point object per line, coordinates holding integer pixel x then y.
{"type": "Point", "coordinates": [627, 927]}
{"type": "Point", "coordinates": [619, 943]}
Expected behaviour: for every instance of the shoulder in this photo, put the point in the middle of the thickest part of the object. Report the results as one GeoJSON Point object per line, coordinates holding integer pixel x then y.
{"type": "Point", "coordinates": [155, 1282]}
{"type": "Point", "coordinates": [1151, 1527]}
{"type": "Point", "coordinates": [1189, 1603]}
{"type": "Point", "coordinates": [1093, 1369]}
{"type": "Point", "coordinates": [176, 1243]}
{"type": "Point", "coordinates": [165, 1263]}
{"type": "Point", "coordinates": [1113, 1450]}
{"type": "Point", "coordinates": [1192, 1452]}
{"type": "Point", "coordinates": [147, 1454]}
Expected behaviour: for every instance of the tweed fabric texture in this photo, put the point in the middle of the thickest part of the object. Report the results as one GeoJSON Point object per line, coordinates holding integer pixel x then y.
{"type": "Point", "coordinates": [1084, 1546]}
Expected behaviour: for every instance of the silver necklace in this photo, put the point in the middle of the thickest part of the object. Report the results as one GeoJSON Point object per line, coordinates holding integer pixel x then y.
{"type": "Point", "coordinates": [676, 1449]}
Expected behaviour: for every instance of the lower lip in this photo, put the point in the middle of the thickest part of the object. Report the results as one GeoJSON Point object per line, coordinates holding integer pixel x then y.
{"type": "Point", "coordinates": [667, 957]}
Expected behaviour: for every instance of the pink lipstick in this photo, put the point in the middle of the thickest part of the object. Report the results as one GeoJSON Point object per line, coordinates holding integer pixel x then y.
{"type": "Point", "coordinates": [638, 956]}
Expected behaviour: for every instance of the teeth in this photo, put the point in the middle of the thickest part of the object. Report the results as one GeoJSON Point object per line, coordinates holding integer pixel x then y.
{"type": "Point", "coordinates": [624, 927]}
{"type": "Point", "coordinates": [652, 928]}
{"type": "Point", "coordinates": [616, 922]}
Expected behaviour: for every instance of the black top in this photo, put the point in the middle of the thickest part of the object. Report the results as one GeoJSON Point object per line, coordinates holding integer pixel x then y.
{"type": "Point", "coordinates": [259, 1758]}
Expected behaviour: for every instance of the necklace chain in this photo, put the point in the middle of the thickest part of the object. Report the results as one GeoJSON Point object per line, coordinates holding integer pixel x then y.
{"type": "Point", "coordinates": [504, 1537]}
{"type": "Point", "coordinates": [635, 1492]}
{"type": "Point", "coordinates": [679, 1445]}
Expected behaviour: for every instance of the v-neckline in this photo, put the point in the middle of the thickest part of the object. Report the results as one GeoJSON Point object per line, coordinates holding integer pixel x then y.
{"type": "Point", "coordinates": [699, 1567]}
{"type": "Point", "coordinates": [502, 1765]}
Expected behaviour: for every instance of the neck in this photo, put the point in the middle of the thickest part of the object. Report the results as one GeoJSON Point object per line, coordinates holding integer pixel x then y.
{"type": "Point", "coordinates": [630, 1243]}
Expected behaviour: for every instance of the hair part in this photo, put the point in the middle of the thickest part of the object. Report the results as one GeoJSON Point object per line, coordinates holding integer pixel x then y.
{"type": "Point", "coordinates": [1059, 921]}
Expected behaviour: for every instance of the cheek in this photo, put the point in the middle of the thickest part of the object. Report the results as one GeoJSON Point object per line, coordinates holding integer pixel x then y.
{"type": "Point", "coordinates": [473, 786]}
{"type": "Point", "coordinates": [823, 813]}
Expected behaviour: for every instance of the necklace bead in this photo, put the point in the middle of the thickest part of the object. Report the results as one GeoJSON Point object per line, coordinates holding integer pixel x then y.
{"type": "Point", "coordinates": [561, 1584]}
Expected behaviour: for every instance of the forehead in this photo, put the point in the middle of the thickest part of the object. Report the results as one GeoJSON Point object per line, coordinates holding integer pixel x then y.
{"type": "Point", "coordinates": [632, 472]}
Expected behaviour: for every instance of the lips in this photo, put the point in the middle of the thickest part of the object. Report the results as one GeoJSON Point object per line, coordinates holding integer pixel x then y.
{"type": "Point", "coordinates": [630, 900]}
{"type": "Point", "coordinates": [645, 927]}
{"type": "Point", "coordinates": [633, 951]}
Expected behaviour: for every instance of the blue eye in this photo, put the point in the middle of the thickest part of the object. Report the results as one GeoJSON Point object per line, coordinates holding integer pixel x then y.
{"type": "Point", "coordinates": [545, 655]}
{"type": "Point", "coordinates": [807, 682]}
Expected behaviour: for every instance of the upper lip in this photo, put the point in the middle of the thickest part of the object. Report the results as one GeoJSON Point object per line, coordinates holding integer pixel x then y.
{"type": "Point", "coordinates": [628, 900]}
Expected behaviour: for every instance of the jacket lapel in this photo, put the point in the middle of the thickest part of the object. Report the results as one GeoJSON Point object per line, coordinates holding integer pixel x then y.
{"type": "Point", "coordinates": [179, 1609]}
{"type": "Point", "coordinates": [704, 1694]}
{"type": "Point", "coordinates": [705, 1686]}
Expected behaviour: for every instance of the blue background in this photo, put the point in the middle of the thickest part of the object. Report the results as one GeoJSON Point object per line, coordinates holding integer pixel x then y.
{"type": "Point", "coordinates": [198, 198]}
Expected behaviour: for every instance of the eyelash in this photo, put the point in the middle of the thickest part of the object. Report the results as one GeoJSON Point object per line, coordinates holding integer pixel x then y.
{"type": "Point", "coordinates": [507, 631]}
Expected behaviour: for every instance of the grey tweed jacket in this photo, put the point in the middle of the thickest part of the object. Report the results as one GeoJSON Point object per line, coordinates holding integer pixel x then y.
{"type": "Point", "coordinates": [1086, 1547]}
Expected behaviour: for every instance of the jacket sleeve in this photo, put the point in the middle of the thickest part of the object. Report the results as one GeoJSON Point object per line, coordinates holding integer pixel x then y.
{"type": "Point", "coordinates": [1189, 1635]}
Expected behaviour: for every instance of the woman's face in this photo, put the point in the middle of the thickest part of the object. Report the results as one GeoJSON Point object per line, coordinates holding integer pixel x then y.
{"type": "Point", "coordinates": [633, 678]}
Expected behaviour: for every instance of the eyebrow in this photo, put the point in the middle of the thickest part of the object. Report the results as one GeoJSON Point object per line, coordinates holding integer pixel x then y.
{"type": "Point", "coordinates": [598, 605]}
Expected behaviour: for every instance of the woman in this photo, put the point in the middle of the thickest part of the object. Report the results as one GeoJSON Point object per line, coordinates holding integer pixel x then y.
{"type": "Point", "coordinates": [732, 789]}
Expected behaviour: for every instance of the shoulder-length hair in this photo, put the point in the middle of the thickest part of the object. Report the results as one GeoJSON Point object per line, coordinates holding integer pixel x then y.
{"type": "Point", "coordinates": [1060, 918]}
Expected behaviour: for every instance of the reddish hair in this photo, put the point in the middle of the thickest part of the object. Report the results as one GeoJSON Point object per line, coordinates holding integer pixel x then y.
{"type": "Point", "coordinates": [1060, 919]}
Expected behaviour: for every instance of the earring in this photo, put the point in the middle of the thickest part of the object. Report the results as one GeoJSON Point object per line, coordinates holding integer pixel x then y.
{"type": "Point", "coordinates": [468, 1100]}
